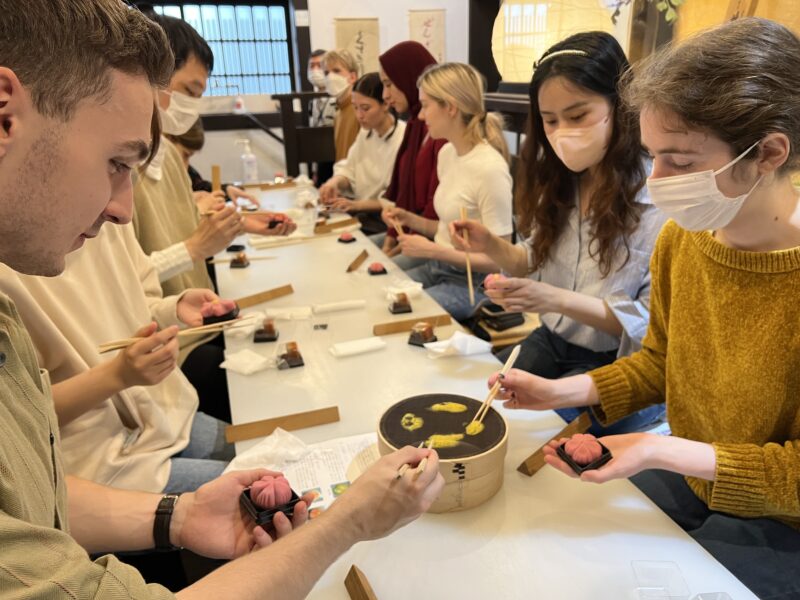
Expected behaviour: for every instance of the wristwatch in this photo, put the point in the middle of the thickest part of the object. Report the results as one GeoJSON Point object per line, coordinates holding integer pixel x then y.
{"type": "Point", "coordinates": [162, 522]}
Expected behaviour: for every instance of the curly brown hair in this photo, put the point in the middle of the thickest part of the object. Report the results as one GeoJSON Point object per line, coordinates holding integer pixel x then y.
{"type": "Point", "coordinates": [546, 189]}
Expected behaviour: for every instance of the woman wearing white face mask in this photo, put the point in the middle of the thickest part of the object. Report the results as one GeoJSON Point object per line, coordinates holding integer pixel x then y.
{"type": "Point", "coordinates": [588, 223]}
{"type": "Point", "coordinates": [721, 116]}
{"type": "Point", "coordinates": [341, 72]}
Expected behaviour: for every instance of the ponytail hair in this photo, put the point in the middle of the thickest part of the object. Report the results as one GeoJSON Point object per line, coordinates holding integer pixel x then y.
{"type": "Point", "coordinates": [462, 86]}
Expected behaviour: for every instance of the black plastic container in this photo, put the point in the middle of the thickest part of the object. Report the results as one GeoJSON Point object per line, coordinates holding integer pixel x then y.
{"type": "Point", "coordinates": [595, 464]}
{"type": "Point", "coordinates": [264, 516]}
{"type": "Point", "coordinates": [228, 316]}
{"type": "Point", "coordinates": [235, 248]}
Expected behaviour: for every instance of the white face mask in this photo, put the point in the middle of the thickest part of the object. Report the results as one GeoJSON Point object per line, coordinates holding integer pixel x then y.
{"type": "Point", "coordinates": [181, 113]}
{"type": "Point", "coordinates": [316, 78]}
{"type": "Point", "coordinates": [336, 84]}
{"type": "Point", "coordinates": [581, 147]}
{"type": "Point", "coordinates": [694, 201]}
{"type": "Point", "coordinates": [153, 170]}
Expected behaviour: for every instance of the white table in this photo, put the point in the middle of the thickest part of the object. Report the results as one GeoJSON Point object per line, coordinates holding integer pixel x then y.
{"type": "Point", "coordinates": [544, 537]}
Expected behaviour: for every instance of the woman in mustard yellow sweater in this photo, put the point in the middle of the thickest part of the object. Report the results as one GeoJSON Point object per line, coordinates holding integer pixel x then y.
{"type": "Point", "coordinates": [720, 114]}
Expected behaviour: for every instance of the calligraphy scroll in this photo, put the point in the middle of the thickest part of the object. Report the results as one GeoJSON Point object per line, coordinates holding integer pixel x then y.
{"type": "Point", "coordinates": [427, 28]}
{"type": "Point", "coordinates": [360, 38]}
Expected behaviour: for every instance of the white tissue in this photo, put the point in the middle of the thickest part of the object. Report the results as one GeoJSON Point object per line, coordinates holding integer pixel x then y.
{"type": "Point", "coordinates": [246, 362]}
{"type": "Point", "coordinates": [354, 347]}
{"type": "Point", "coordinates": [305, 197]}
{"type": "Point", "coordinates": [460, 344]}
{"type": "Point", "coordinates": [339, 306]}
{"type": "Point", "coordinates": [412, 289]}
{"type": "Point", "coordinates": [274, 451]}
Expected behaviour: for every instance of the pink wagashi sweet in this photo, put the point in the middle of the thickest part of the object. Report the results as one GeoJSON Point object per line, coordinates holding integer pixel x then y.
{"type": "Point", "coordinates": [269, 491]}
{"type": "Point", "coordinates": [376, 268]}
{"type": "Point", "coordinates": [492, 279]}
{"type": "Point", "coordinates": [583, 448]}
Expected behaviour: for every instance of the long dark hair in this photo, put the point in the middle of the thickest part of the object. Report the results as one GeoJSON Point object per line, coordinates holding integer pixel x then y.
{"type": "Point", "coordinates": [546, 189]}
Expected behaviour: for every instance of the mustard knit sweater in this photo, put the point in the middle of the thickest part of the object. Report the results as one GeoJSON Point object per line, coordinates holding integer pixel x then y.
{"type": "Point", "coordinates": [723, 350]}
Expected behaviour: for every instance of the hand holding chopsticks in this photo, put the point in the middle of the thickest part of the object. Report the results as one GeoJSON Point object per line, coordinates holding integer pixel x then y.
{"type": "Point", "coordinates": [202, 330]}
{"type": "Point", "coordinates": [479, 416]}
{"type": "Point", "coordinates": [420, 468]}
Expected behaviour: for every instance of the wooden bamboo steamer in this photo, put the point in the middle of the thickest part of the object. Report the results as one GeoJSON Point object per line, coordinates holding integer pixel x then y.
{"type": "Point", "coordinates": [469, 480]}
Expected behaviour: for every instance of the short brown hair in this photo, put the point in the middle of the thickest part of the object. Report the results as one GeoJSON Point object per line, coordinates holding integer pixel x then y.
{"type": "Point", "coordinates": [738, 81]}
{"type": "Point", "coordinates": [62, 51]}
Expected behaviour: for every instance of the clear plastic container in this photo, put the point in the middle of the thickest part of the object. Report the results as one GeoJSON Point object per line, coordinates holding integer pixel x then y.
{"type": "Point", "coordinates": [659, 580]}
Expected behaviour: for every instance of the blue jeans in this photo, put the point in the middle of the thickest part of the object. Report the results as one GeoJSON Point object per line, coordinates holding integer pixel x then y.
{"type": "Point", "coordinates": [204, 459]}
{"type": "Point", "coordinates": [448, 286]}
{"type": "Point", "coordinates": [404, 262]}
{"type": "Point", "coordinates": [548, 355]}
{"type": "Point", "coordinates": [762, 553]}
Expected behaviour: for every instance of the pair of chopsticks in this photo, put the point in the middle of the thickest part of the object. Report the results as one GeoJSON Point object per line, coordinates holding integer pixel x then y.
{"type": "Point", "coordinates": [225, 261]}
{"type": "Point", "coordinates": [420, 468]}
{"type": "Point", "coordinates": [201, 330]}
{"type": "Point", "coordinates": [496, 387]}
{"type": "Point", "coordinates": [466, 257]}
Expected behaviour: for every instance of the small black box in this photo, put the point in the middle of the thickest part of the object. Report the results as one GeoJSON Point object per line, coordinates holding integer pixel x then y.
{"type": "Point", "coordinates": [595, 464]}
{"type": "Point", "coordinates": [263, 517]}
{"type": "Point", "coordinates": [228, 316]}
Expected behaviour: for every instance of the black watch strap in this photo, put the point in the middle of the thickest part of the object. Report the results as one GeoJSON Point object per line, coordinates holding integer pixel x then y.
{"type": "Point", "coordinates": [162, 522]}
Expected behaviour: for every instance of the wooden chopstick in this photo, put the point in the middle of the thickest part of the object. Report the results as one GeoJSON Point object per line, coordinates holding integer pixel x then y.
{"type": "Point", "coordinates": [466, 258]}
{"type": "Point", "coordinates": [484, 409]}
{"type": "Point", "coordinates": [423, 463]}
{"type": "Point", "coordinates": [397, 227]}
{"type": "Point", "coordinates": [200, 330]}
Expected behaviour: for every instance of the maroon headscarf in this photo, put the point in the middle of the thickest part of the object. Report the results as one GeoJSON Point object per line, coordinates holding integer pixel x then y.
{"type": "Point", "coordinates": [414, 177]}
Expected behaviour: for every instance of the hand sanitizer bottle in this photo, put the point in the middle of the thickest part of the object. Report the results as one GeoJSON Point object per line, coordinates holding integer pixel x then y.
{"type": "Point", "coordinates": [249, 163]}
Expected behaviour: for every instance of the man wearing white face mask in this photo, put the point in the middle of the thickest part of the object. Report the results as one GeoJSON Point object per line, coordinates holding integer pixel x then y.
{"type": "Point", "coordinates": [322, 112]}
{"type": "Point", "coordinates": [341, 72]}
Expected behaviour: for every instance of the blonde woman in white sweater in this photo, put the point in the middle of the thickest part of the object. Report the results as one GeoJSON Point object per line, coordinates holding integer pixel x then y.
{"type": "Point", "coordinates": [129, 420]}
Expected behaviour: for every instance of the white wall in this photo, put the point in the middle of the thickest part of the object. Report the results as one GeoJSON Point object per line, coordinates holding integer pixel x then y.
{"type": "Point", "coordinates": [393, 21]}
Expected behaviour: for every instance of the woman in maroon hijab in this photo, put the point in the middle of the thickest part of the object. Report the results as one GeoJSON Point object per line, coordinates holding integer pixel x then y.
{"type": "Point", "coordinates": [414, 178]}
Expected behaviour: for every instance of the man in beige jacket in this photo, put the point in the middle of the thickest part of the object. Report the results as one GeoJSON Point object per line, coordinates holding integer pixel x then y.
{"type": "Point", "coordinates": [72, 125]}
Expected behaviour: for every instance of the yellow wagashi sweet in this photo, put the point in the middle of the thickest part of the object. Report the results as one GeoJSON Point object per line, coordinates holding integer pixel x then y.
{"type": "Point", "coordinates": [474, 428]}
{"type": "Point", "coordinates": [411, 422]}
{"type": "Point", "coordinates": [446, 440]}
{"type": "Point", "coordinates": [450, 407]}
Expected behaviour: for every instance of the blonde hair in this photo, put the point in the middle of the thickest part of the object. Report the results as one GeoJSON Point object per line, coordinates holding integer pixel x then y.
{"type": "Point", "coordinates": [343, 57]}
{"type": "Point", "coordinates": [462, 86]}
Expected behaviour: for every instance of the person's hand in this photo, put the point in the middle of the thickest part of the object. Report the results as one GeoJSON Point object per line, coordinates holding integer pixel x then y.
{"type": "Point", "coordinates": [480, 238]}
{"type": "Point", "coordinates": [418, 246]}
{"type": "Point", "coordinates": [235, 193]}
{"type": "Point", "coordinates": [207, 201]}
{"type": "Point", "coordinates": [211, 522]}
{"type": "Point", "coordinates": [390, 246]}
{"type": "Point", "coordinates": [632, 453]}
{"type": "Point", "coordinates": [214, 233]}
{"type": "Point", "coordinates": [392, 215]}
{"type": "Point", "coordinates": [260, 224]}
{"type": "Point", "coordinates": [195, 303]}
{"type": "Point", "coordinates": [523, 390]}
{"type": "Point", "coordinates": [148, 361]}
{"type": "Point", "coordinates": [525, 295]}
{"type": "Point", "coordinates": [346, 205]}
{"type": "Point", "coordinates": [378, 503]}
{"type": "Point", "coordinates": [329, 191]}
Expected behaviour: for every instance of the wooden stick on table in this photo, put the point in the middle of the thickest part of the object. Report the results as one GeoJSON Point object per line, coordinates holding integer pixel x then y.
{"type": "Point", "coordinates": [257, 429]}
{"type": "Point", "coordinates": [329, 227]}
{"type": "Point", "coordinates": [216, 179]}
{"type": "Point", "coordinates": [253, 300]}
{"type": "Point", "coordinates": [496, 387]}
{"type": "Point", "coordinates": [408, 324]}
{"type": "Point", "coordinates": [358, 261]}
{"type": "Point", "coordinates": [225, 261]}
{"type": "Point", "coordinates": [531, 465]}
{"type": "Point", "coordinates": [357, 585]}
{"type": "Point", "coordinates": [466, 258]}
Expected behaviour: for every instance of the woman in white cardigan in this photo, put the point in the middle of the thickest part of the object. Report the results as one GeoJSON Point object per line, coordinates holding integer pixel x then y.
{"type": "Point", "coordinates": [129, 420]}
{"type": "Point", "coordinates": [366, 172]}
